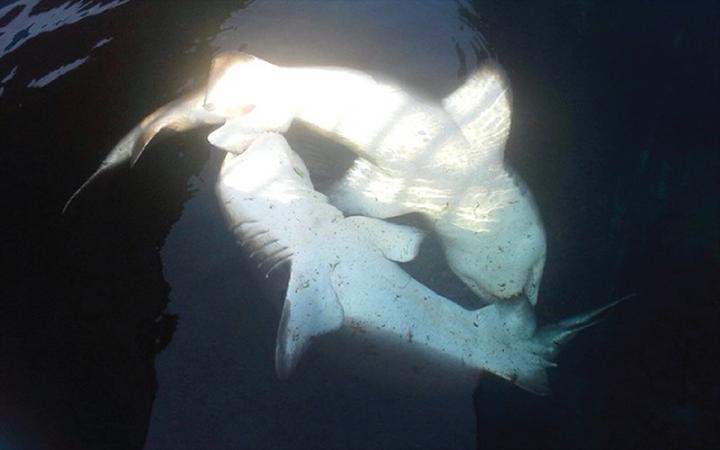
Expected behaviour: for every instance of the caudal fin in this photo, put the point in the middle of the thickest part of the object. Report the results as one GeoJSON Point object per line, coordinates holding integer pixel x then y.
{"type": "Point", "coordinates": [555, 335]}
{"type": "Point", "coordinates": [529, 359]}
{"type": "Point", "coordinates": [182, 114]}
{"type": "Point", "coordinates": [123, 153]}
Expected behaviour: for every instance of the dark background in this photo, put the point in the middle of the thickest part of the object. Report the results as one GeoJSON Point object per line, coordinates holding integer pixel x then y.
{"type": "Point", "coordinates": [614, 129]}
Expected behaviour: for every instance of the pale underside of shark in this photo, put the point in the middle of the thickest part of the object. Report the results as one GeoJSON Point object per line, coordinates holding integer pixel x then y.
{"type": "Point", "coordinates": [343, 276]}
{"type": "Point", "coordinates": [335, 260]}
{"type": "Point", "coordinates": [444, 161]}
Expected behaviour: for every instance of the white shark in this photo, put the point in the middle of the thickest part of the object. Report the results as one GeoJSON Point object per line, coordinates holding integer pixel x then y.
{"type": "Point", "coordinates": [442, 160]}
{"type": "Point", "coordinates": [342, 275]}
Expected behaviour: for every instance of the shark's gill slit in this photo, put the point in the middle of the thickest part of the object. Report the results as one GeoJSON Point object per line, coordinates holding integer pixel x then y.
{"type": "Point", "coordinates": [240, 224]}
{"type": "Point", "coordinates": [251, 238]}
{"type": "Point", "coordinates": [262, 246]}
{"type": "Point", "coordinates": [269, 257]}
{"type": "Point", "coordinates": [278, 263]}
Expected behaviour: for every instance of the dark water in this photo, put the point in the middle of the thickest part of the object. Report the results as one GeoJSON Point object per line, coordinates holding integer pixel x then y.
{"type": "Point", "coordinates": [133, 322]}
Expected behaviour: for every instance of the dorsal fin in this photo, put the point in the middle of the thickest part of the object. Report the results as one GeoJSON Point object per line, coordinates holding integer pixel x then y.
{"type": "Point", "coordinates": [224, 61]}
{"type": "Point", "coordinates": [226, 58]}
{"type": "Point", "coordinates": [482, 108]}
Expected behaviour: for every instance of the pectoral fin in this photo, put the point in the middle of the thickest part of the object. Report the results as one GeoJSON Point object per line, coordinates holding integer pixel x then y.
{"type": "Point", "coordinates": [233, 136]}
{"type": "Point", "coordinates": [311, 308]}
{"type": "Point", "coordinates": [400, 243]}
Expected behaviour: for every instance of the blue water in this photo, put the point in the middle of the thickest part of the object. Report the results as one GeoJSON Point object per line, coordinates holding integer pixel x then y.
{"type": "Point", "coordinates": [133, 321]}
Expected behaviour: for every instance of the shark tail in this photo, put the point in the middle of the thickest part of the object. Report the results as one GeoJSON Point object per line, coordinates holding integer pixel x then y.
{"type": "Point", "coordinates": [530, 358]}
{"type": "Point", "coordinates": [182, 114]}
{"type": "Point", "coordinates": [125, 152]}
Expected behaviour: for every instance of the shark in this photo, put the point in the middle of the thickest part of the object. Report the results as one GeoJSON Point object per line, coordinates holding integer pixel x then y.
{"type": "Point", "coordinates": [344, 276]}
{"type": "Point", "coordinates": [443, 160]}
{"type": "Point", "coordinates": [344, 273]}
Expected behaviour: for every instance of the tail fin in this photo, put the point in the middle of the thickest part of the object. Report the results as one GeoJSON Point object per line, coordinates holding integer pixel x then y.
{"type": "Point", "coordinates": [182, 114]}
{"type": "Point", "coordinates": [553, 336]}
{"type": "Point", "coordinates": [534, 355]}
{"type": "Point", "coordinates": [132, 144]}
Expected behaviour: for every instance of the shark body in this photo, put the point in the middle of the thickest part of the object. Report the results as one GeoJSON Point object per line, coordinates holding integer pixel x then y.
{"type": "Point", "coordinates": [443, 160]}
{"type": "Point", "coordinates": [343, 271]}
{"type": "Point", "coordinates": [343, 276]}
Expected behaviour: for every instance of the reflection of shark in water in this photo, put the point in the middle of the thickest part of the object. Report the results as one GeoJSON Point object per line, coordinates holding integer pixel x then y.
{"type": "Point", "coordinates": [342, 275]}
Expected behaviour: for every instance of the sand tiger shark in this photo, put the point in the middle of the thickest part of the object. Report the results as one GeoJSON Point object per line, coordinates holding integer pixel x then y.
{"type": "Point", "coordinates": [441, 159]}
